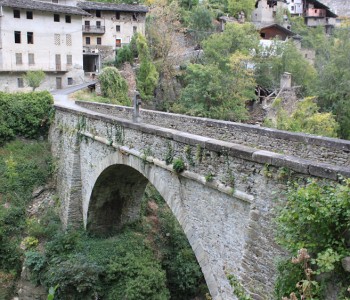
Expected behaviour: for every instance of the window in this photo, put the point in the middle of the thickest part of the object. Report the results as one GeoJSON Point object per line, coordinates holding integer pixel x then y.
{"type": "Point", "coordinates": [134, 16]}
{"type": "Point", "coordinates": [117, 15]}
{"type": "Point", "coordinates": [292, 7]}
{"type": "Point", "coordinates": [117, 28]}
{"type": "Point", "coordinates": [20, 82]}
{"type": "Point", "coordinates": [56, 18]}
{"type": "Point", "coordinates": [70, 80]}
{"type": "Point", "coordinates": [68, 39]}
{"type": "Point", "coordinates": [29, 15]}
{"type": "Point", "coordinates": [134, 29]}
{"type": "Point", "coordinates": [98, 13]}
{"type": "Point", "coordinates": [69, 59]}
{"type": "Point", "coordinates": [118, 42]}
{"type": "Point", "coordinates": [31, 59]}
{"type": "Point", "coordinates": [19, 59]}
{"type": "Point", "coordinates": [99, 41]}
{"type": "Point", "coordinates": [98, 24]}
{"type": "Point", "coordinates": [87, 40]}
{"type": "Point", "coordinates": [30, 38]}
{"type": "Point", "coordinates": [17, 37]}
{"type": "Point", "coordinates": [54, 1]}
{"type": "Point", "coordinates": [57, 38]}
{"type": "Point", "coordinates": [68, 19]}
{"type": "Point", "coordinates": [16, 13]}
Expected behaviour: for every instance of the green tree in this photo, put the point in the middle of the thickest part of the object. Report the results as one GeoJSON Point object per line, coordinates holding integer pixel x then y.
{"type": "Point", "coordinates": [34, 78]}
{"type": "Point", "coordinates": [114, 86]}
{"type": "Point", "coordinates": [236, 37]}
{"type": "Point", "coordinates": [334, 76]}
{"type": "Point", "coordinates": [237, 6]}
{"type": "Point", "coordinates": [284, 57]}
{"type": "Point", "coordinates": [147, 75]}
{"type": "Point", "coordinates": [212, 92]}
{"type": "Point", "coordinates": [201, 24]}
{"type": "Point", "coordinates": [124, 55]}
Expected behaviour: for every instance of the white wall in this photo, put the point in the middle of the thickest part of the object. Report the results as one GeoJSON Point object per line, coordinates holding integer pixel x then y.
{"type": "Point", "coordinates": [44, 48]}
{"type": "Point", "coordinates": [108, 19]}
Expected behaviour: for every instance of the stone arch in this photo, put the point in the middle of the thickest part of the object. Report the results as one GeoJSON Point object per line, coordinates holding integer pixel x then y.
{"type": "Point", "coordinates": [115, 199]}
{"type": "Point", "coordinates": [167, 184]}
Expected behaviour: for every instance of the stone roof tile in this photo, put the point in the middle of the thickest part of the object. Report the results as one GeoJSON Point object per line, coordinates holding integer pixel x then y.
{"type": "Point", "coordinates": [112, 6]}
{"type": "Point", "coordinates": [43, 6]}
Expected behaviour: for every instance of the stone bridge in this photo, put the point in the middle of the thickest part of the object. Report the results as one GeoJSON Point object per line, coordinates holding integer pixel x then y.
{"type": "Point", "coordinates": [223, 200]}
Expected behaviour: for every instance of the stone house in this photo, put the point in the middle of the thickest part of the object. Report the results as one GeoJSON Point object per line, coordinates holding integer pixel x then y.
{"type": "Point", "coordinates": [318, 14]}
{"type": "Point", "coordinates": [266, 11]}
{"type": "Point", "coordinates": [40, 36]}
{"type": "Point", "coordinates": [106, 29]}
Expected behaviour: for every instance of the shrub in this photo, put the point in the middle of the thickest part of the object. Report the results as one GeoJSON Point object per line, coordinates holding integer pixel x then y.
{"type": "Point", "coordinates": [178, 165]}
{"type": "Point", "coordinates": [316, 217]}
{"type": "Point", "coordinates": [25, 114]}
{"type": "Point", "coordinates": [23, 165]}
{"type": "Point", "coordinates": [114, 86]}
{"type": "Point", "coordinates": [124, 55]}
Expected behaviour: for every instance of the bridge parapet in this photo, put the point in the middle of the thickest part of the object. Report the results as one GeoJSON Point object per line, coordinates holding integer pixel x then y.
{"type": "Point", "coordinates": [311, 147]}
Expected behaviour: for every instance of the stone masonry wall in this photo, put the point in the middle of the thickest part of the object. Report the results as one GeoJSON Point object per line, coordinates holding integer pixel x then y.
{"type": "Point", "coordinates": [320, 149]}
{"type": "Point", "coordinates": [224, 200]}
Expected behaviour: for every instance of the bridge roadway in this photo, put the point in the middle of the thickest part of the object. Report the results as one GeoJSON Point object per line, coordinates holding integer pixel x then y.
{"type": "Point", "coordinates": [224, 200]}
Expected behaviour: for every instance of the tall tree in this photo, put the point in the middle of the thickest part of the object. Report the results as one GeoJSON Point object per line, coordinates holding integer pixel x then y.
{"type": "Point", "coordinates": [236, 37]}
{"type": "Point", "coordinates": [147, 75]}
{"type": "Point", "coordinates": [334, 79]}
{"type": "Point", "coordinates": [237, 6]}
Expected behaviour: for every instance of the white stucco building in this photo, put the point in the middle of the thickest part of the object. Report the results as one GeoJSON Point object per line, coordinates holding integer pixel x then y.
{"type": "Point", "coordinates": [295, 7]}
{"type": "Point", "coordinates": [108, 27]}
{"type": "Point", "coordinates": [40, 36]}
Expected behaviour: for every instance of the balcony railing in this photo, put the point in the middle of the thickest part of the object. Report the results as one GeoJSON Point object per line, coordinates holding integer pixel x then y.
{"type": "Point", "coordinates": [94, 29]}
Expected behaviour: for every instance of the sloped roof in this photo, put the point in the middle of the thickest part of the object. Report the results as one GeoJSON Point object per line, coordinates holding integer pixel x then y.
{"type": "Point", "coordinates": [318, 4]}
{"type": "Point", "coordinates": [43, 6]}
{"type": "Point", "coordinates": [112, 6]}
{"type": "Point", "coordinates": [285, 30]}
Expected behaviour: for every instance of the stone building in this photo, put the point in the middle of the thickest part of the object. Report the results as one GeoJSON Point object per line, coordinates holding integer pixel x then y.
{"type": "Point", "coordinates": [107, 28]}
{"type": "Point", "coordinates": [266, 11]}
{"type": "Point", "coordinates": [40, 36]}
{"type": "Point", "coordinates": [318, 14]}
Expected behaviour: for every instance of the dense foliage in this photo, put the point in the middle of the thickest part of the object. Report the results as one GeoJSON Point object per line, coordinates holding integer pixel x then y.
{"type": "Point", "coordinates": [147, 75]}
{"type": "Point", "coordinates": [334, 75]}
{"type": "Point", "coordinates": [114, 86]}
{"type": "Point", "coordinates": [24, 165]}
{"type": "Point", "coordinates": [305, 118]}
{"type": "Point", "coordinates": [314, 221]}
{"type": "Point", "coordinates": [24, 114]}
{"type": "Point", "coordinates": [150, 259]}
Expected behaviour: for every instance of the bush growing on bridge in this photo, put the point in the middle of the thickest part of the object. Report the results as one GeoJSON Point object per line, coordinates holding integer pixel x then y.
{"type": "Point", "coordinates": [24, 114]}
